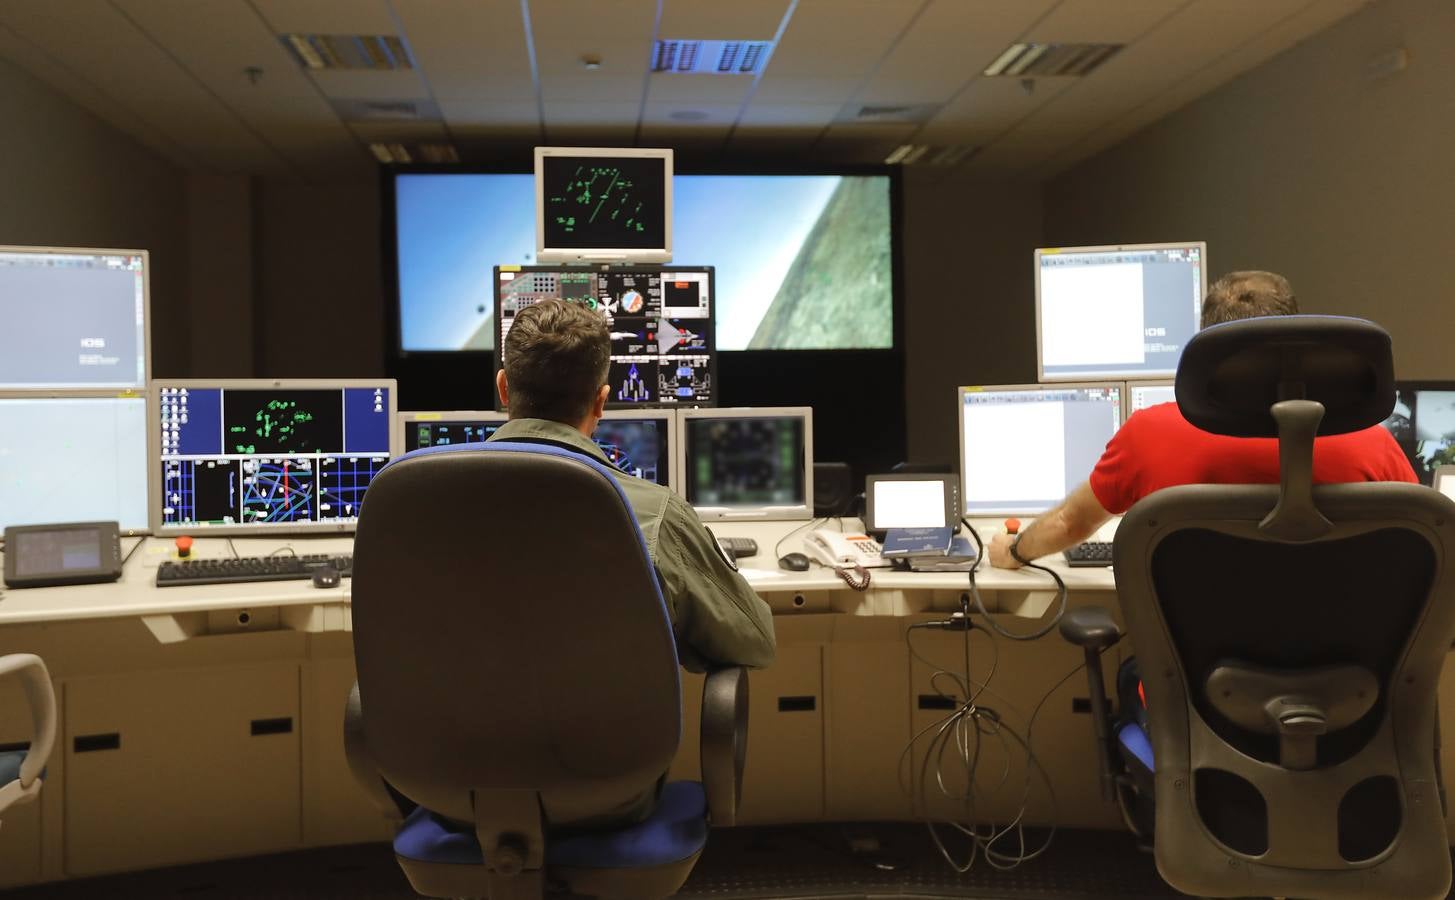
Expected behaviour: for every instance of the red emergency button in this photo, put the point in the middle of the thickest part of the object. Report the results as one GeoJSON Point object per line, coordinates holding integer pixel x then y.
{"type": "Point", "coordinates": [184, 547]}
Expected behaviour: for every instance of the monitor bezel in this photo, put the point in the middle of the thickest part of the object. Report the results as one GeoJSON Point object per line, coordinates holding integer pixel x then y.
{"type": "Point", "coordinates": [951, 481]}
{"type": "Point", "coordinates": [619, 255]}
{"type": "Point", "coordinates": [154, 399]}
{"type": "Point", "coordinates": [1154, 375]}
{"type": "Point", "coordinates": [153, 441]}
{"type": "Point", "coordinates": [1129, 386]}
{"type": "Point", "coordinates": [410, 416]}
{"type": "Point", "coordinates": [960, 393]}
{"type": "Point", "coordinates": [789, 513]}
{"type": "Point", "coordinates": [146, 323]}
{"type": "Point", "coordinates": [499, 355]}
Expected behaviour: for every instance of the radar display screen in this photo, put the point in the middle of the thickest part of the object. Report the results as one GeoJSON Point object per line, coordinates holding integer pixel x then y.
{"type": "Point", "coordinates": [607, 203]}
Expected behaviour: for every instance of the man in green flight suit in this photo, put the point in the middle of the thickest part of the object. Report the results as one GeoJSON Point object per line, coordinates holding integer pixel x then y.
{"type": "Point", "coordinates": [556, 357]}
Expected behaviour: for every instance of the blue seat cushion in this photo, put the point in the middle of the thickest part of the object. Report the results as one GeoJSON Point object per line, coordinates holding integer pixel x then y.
{"type": "Point", "coordinates": [10, 762]}
{"type": "Point", "coordinates": [1134, 740]}
{"type": "Point", "coordinates": [675, 831]}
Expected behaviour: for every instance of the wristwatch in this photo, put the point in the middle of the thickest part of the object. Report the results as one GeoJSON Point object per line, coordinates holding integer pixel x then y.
{"type": "Point", "coordinates": [1014, 553]}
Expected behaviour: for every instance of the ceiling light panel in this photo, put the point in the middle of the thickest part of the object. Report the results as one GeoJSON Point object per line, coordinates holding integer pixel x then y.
{"type": "Point", "coordinates": [1030, 60]}
{"type": "Point", "coordinates": [348, 52]}
{"type": "Point", "coordinates": [693, 57]}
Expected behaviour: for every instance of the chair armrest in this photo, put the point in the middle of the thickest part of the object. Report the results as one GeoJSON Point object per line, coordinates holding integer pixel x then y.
{"type": "Point", "coordinates": [42, 699]}
{"type": "Point", "coordinates": [361, 764]}
{"type": "Point", "coordinates": [1090, 627]}
{"type": "Point", "coordinates": [724, 741]}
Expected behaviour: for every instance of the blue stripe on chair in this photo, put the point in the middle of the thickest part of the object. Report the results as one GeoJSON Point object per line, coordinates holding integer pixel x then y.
{"type": "Point", "coordinates": [1134, 740]}
{"type": "Point", "coordinates": [675, 831]}
{"type": "Point", "coordinates": [10, 765]}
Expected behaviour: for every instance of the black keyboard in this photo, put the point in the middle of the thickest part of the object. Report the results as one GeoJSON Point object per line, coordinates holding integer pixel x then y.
{"type": "Point", "coordinates": [249, 568]}
{"type": "Point", "coordinates": [738, 547]}
{"type": "Point", "coordinates": [1091, 553]}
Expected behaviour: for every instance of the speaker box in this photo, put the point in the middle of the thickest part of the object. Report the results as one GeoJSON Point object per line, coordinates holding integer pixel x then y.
{"type": "Point", "coordinates": [833, 489]}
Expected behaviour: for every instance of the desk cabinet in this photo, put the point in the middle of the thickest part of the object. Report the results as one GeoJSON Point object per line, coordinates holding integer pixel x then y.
{"type": "Point", "coordinates": [20, 833]}
{"type": "Point", "coordinates": [180, 766]}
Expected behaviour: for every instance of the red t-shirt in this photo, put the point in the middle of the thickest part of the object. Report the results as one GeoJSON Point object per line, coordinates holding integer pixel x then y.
{"type": "Point", "coordinates": [1158, 448]}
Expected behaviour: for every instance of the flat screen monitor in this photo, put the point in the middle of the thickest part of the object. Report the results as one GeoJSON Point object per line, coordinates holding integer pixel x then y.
{"type": "Point", "coordinates": [640, 442]}
{"type": "Point", "coordinates": [1142, 394]}
{"type": "Point", "coordinates": [748, 463]}
{"type": "Point", "coordinates": [1423, 424]}
{"type": "Point", "coordinates": [445, 429]}
{"type": "Point", "coordinates": [269, 457]}
{"type": "Point", "coordinates": [810, 264]}
{"type": "Point", "coordinates": [1117, 312]}
{"type": "Point", "coordinates": [904, 500]}
{"type": "Point", "coordinates": [662, 347]}
{"type": "Point", "coordinates": [1023, 448]}
{"type": "Point", "coordinates": [603, 205]}
{"type": "Point", "coordinates": [73, 319]}
{"type": "Point", "coordinates": [74, 459]}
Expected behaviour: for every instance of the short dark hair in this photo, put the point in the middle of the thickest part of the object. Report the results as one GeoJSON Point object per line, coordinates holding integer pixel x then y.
{"type": "Point", "coordinates": [1247, 295]}
{"type": "Point", "coordinates": [556, 357]}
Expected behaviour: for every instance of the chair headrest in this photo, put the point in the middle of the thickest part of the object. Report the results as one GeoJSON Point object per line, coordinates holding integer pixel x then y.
{"type": "Point", "coordinates": [1231, 374]}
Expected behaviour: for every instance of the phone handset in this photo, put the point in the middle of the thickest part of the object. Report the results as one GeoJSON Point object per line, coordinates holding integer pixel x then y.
{"type": "Point", "coordinates": [850, 555]}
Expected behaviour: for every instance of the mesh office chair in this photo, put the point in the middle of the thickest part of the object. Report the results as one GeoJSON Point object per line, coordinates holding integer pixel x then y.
{"type": "Point", "coordinates": [21, 771]}
{"type": "Point", "coordinates": [519, 681]}
{"type": "Point", "coordinates": [1290, 637]}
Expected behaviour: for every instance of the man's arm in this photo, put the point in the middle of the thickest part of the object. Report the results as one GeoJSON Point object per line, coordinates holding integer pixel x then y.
{"type": "Point", "coordinates": [719, 618]}
{"type": "Point", "coordinates": [1072, 521]}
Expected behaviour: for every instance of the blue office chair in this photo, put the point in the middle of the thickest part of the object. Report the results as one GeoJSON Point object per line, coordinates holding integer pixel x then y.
{"type": "Point", "coordinates": [22, 771]}
{"type": "Point", "coordinates": [1289, 637]}
{"type": "Point", "coordinates": [518, 680]}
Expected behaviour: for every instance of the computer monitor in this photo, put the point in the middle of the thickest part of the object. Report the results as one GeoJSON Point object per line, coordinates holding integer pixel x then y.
{"type": "Point", "coordinates": [1117, 312]}
{"type": "Point", "coordinates": [1423, 424]}
{"type": "Point", "coordinates": [603, 205]}
{"type": "Point", "coordinates": [1444, 481]}
{"type": "Point", "coordinates": [663, 350]}
{"type": "Point", "coordinates": [444, 429]}
{"type": "Point", "coordinates": [74, 319]}
{"type": "Point", "coordinates": [1142, 394]}
{"type": "Point", "coordinates": [911, 500]}
{"type": "Point", "coordinates": [74, 459]}
{"type": "Point", "coordinates": [1023, 448]}
{"type": "Point", "coordinates": [269, 457]}
{"type": "Point", "coordinates": [748, 463]}
{"type": "Point", "coordinates": [640, 442]}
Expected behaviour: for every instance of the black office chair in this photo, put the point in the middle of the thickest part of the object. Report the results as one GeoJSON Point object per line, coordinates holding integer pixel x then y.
{"type": "Point", "coordinates": [1289, 638]}
{"type": "Point", "coordinates": [22, 771]}
{"type": "Point", "coordinates": [518, 680]}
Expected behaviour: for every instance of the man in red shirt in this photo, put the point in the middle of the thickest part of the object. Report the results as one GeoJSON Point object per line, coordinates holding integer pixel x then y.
{"type": "Point", "coordinates": [1158, 448]}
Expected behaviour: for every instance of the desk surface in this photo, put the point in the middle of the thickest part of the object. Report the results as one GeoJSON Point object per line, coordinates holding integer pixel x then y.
{"type": "Point", "coordinates": [136, 594]}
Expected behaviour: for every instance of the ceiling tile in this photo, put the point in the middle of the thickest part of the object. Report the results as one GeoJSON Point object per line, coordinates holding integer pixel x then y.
{"type": "Point", "coordinates": [485, 113]}
{"type": "Point", "coordinates": [947, 45]}
{"type": "Point", "coordinates": [474, 50]}
{"type": "Point", "coordinates": [775, 88]}
{"type": "Point", "coordinates": [705, 21]}
{"type": "Point", "coordinates": [699, 88]}
{"type": "Point", "coordinates": [369, 85]}
{"type": "Point", "coordinates": [793, 115]}
{"type": "Point", "coordinates": [828, 38]}
{"type": "Point", "coordinates": [619, 32]}
{"type": "Point", "coordinates": [568, 112]}
{"type": "Point", "coordinates": [594, 86]}
{"type": "Point", "coordinates": [1094, 21]}
{"type": "Point", "coordinates": [328, 16]}
{"type": "Point", "coordinates": [399, 132]}
{"type": "Point", "coordinates": [987, 108]}
{"type": "Point", "coordinates": [662, 113]}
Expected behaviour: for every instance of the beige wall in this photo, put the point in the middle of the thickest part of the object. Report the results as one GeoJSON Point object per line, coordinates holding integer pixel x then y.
{"type": "Point", "coordinates": [1309, 167]}
{"type": "Point", "coordinates": [72, 180]}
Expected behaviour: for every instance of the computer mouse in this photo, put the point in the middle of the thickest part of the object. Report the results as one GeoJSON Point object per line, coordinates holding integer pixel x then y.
{"type": "Point", "coordinates": [793, 562]}
{"type": "Point", "coordinates": [325, 577]}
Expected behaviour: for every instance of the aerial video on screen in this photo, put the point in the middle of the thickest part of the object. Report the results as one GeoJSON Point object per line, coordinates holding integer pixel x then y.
{"type": "Point", "coordinates": [803, 261]}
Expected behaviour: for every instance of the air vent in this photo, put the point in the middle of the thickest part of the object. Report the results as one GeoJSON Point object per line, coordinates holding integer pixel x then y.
{"type": "Point", "coordinates": [405, 153]}
{"type": "Point", "coordinates": [889, 114]}
{"type": "Point", "coordinates": [379, 52]}
{"type": "Point", "coordinates": [928, 155]}
{"type": "Point", "coordinates": [386, 110]}
{"type": "Point", "coordinates": [1052, 60]}
{"type": "Point", "coordinates": [711, 57]}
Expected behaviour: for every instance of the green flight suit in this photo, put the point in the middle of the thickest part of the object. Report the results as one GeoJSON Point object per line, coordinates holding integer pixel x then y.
{"type": "Point", "coordinates": [718, 618]}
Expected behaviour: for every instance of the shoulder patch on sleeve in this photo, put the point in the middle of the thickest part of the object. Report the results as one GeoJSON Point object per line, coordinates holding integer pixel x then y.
{"type": "Point", "coordinates": [726, 556]}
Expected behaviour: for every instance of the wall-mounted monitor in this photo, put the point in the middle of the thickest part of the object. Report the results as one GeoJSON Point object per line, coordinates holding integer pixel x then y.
{"type": "Point", "coordinates": [1023, 448]}
{"type": "Point", "coordinates": [74, 459]}
{"type": "Point", "coordinates": [73, 319]}
{"type": "Point", "coordinates": [1117, 312]}
{"type": "Point", "coordinates": [596, 204]}
{"type": "Point", "coordinates": [748, 463]}
{"type": "Point", "coordinates": [810, 264]}
{"type": "Point", "coordinates": [266, 457]}
{"type": "Point", "coordinates": [1423, 424]}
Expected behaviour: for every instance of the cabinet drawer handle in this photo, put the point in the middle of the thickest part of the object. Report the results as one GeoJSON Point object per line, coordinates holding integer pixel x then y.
{"type": "Point", "coordinates": [272, 726]}
{"type": "Point", "coordinates": [15, 748]}
{"type": "Point", "coordinates": [935, 701]}
{"type": "Point", "coordinates": [88, 743]}
{"type": "Point", "coordinates": [797, 704]}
